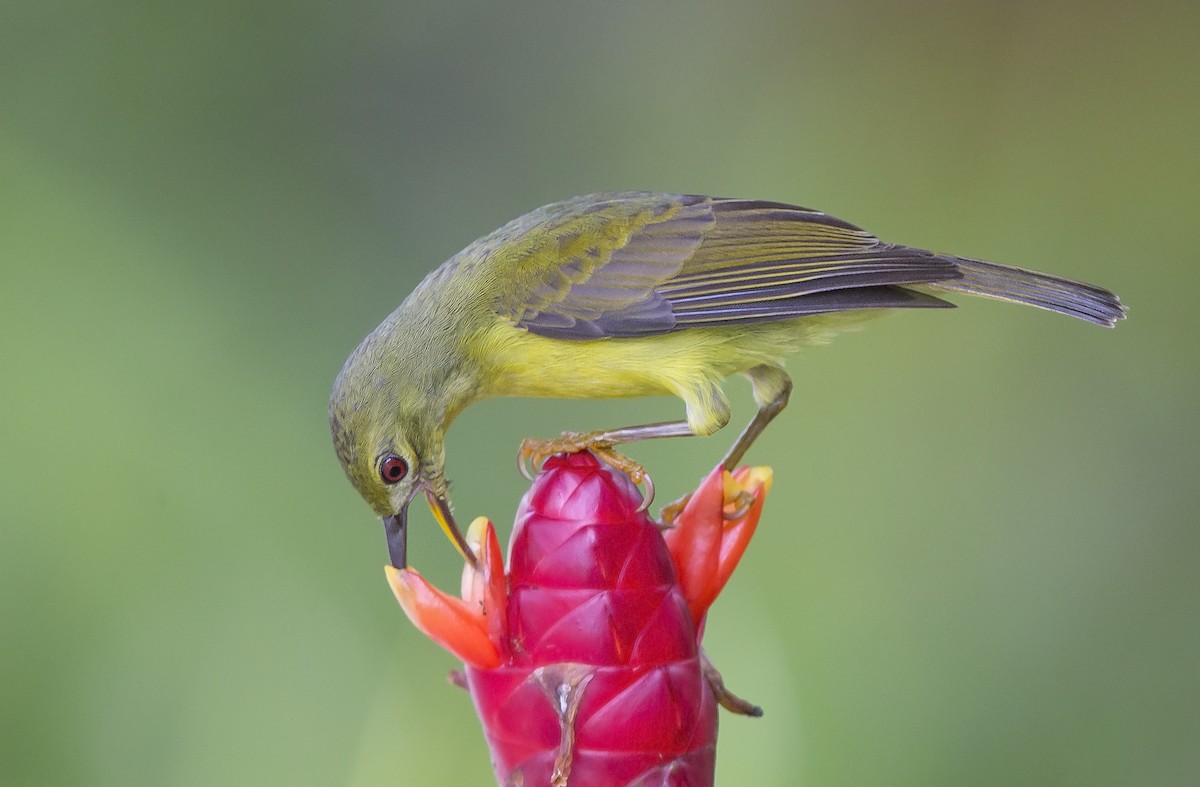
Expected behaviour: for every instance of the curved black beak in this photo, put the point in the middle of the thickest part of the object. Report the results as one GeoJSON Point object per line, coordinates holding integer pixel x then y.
{"type": "Point", "coordinates": [395, 528]}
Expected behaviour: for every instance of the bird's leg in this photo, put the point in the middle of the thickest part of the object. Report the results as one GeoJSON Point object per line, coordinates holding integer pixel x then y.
{"type": "Point", "coordinates": [766, 413]}
{"type": "Point", "coordinates": [772, 387]}
{"type": "Point", "coordinates": [533, 451]}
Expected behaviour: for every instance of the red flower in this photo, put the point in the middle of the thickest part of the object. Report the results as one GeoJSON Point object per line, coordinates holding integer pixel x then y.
{"type": "Point", "coordinates": [586, 669]}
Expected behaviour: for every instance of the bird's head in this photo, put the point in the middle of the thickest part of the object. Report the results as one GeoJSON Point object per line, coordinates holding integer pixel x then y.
{"type": "Point", "coordinates": [391, 450]}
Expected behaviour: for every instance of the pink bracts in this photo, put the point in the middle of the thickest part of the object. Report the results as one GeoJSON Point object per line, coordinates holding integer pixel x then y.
{"type": "Point", "coordinates": [584, 662]}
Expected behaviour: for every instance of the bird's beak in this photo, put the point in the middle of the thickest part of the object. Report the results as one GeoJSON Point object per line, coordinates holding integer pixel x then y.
{"type": "Point", "coordinates": [395, 527]}
{"type": "Point", "coordinates": [439, 504]}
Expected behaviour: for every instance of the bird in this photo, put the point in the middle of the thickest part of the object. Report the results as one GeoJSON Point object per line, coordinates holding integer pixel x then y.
{"type": "Point", "coordinates": [632, 294]}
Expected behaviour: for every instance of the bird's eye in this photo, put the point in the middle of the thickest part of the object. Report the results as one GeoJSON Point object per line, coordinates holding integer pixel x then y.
{"type": "Point", "coordinates": [392, 469]}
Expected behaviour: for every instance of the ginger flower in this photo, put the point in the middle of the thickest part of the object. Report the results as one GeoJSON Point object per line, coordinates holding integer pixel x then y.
{"type": "Point", "coordinates": [584, 660]}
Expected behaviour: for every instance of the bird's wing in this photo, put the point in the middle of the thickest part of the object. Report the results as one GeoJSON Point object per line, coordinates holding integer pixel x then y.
{"type": "Point", "coordinates": [638, 264]}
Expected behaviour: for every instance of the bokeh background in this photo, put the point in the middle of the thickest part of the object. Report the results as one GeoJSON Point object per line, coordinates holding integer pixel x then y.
{"type": "Point", "coordinates": [981, 561]}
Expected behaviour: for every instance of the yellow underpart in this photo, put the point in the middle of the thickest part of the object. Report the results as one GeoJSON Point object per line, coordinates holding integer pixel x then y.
{"type": "Point", "coordinates": [689, 364]}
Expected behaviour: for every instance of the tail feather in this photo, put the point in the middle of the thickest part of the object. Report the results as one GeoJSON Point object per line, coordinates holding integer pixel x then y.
{"type": "Point", "coordinates": [1041, 290]}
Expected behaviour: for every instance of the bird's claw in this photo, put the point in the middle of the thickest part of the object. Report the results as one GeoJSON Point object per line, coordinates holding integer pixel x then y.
{"type": "Point", "coordinates": [741, 504]}
{"type": "Point", "coordinates": [534, 452]}
{"type": "Point", "coordinates": [671, 511]}
{"type": "Point", "coordinates": [637, 474]}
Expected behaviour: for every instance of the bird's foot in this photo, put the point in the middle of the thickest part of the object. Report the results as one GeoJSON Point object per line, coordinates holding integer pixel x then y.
{"type": "Point", "coordinates": [533, 452]}
{"type": "Point", "coordinates": [734, 509]}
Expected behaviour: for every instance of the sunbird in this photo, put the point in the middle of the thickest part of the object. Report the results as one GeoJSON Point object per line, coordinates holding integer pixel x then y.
{"type": "Point", "coordinates": [632, 294]}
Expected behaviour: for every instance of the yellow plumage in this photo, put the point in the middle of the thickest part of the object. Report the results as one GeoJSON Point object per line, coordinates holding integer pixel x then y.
{"type": "Point", "coordinates": [690, 365]}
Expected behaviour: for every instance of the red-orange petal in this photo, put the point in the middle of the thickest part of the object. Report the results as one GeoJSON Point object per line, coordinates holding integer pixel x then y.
{"type": "Point", "coordinates": [450, 622]}
{"type": "Point", "coordinates": [704, 545]}
{"type": "Point", "coordinates": [738, 532]}
{"type": "Point", "coordinates": [695, 542]}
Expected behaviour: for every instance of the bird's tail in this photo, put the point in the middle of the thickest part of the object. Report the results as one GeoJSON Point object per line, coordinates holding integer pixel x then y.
{"type": "Point", "coordinates": [1041, 290]}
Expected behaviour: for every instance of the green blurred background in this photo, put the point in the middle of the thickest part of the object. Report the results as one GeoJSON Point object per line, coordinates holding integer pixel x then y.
{"type": "Point", "coordinates": [980, 561]}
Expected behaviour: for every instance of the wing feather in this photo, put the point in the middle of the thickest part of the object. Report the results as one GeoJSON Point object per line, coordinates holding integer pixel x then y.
{"type": "Point", "coordinates": [637, 264]}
